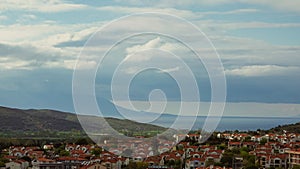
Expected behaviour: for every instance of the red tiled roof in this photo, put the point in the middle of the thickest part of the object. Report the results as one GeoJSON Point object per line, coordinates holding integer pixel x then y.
{"type": "Point", "coordinates": [45, 160]}
{"type": "Point", "coordinates": [71, 159]}
{"type": "Point", "coordinates": [198, 159]}
{"type": "Point", "coordinates": [234, 143]}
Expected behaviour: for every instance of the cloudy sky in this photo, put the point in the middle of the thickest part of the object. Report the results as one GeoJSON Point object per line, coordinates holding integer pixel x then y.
{"type": "Point", "coordinates": [258, 42]}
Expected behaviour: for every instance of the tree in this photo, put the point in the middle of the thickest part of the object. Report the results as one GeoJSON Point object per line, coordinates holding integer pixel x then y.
{"type": "Point", "coordinates": [246, 149]}
{"type": "Point", "coordinates": [170, 162]}
{"type": "Point", "coordinates": [209, 162]}
{"type": "Point", "coordinates": [263, 141]}
{"type": "Point", "coordinates": [64, 153]}
{"type": "Point", "coordinates": [96, 151]}
{"type": "Point", "coordinates": [296, 167]}
{"type": "Point", "coordinates": [82, 141]}
{"type": "Point", "coordinates": [247, 139]}
{"type": "Point", "coordinates": [244, 154]}
{"type": "Point", "coordinates": [235, 151]}
{"type": "Point", "coordinates": [251, 167]}
{"type": "Point", "coordinates": [3, 161]}
{"type": "Point", "coordinates": [177, 164]}
{"type": "Point", "coordinates": [2, 164]}
{"type": "Point", "coordinates": [226, 160]}
{"type": "Point", "coordinates": [137, 165]}
{"type": "Point", "coordinates": [142, 165]}
{"type": "Point", "coordinates": [222, 146]}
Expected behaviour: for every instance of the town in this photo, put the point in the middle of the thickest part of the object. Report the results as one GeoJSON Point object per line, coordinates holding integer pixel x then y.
{"type": "Point", "coordinates": [236, 150]}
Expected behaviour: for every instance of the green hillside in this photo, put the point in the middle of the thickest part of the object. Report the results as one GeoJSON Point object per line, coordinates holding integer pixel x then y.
{"type": "Point", "coordinates": [291, 128]}
{"type": "Point", "coordinates": [17, 123]}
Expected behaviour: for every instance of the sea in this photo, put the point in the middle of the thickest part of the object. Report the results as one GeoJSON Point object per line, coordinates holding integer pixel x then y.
{"type": "Point", "coordinates": [228, 123]}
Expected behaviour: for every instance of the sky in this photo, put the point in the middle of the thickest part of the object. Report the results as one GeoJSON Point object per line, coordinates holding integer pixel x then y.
{"type": "Point", "coordinates": [258, 43]}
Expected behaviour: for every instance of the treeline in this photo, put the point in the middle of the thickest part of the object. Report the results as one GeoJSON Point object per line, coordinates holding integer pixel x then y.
{"type": "Point", "coordinates": [40, 142]}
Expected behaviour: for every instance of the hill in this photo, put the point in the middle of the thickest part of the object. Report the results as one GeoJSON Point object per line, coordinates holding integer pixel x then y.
{"type": "Point", "coordinates": [50, 123]}
{"type": "Point", "coordinates": [292, 128]}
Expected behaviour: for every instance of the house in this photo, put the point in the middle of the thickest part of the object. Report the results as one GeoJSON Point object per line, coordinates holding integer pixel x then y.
{"type": "Point", "coordinates": [212, 167]}
{"type": "Point", "coordinates": [195, 163]}
{"type": "Point", "coordinates": [213, 157]}
{"type": "Point", "coordinates": [234, 144]}
{"type": "Point", "coordinates": [263, 160]}
{"type": "Point", "coordinates": [195, 137]}
{"type": "Point", "coordinates": [153, 160]}
{"type": "Point", "coordinates": [195, 154]}
{"type": "Point", "coordinates": [48, 147]}
{"type": "Point", "coordinates": [112, 163]}
{"type": "Point", "coordinates": [46, 163]}
{"type": "Point", "coordinates": [237, 162]}
{"type": "Point", "coordinates": [93, 166]}
{"type": "Point", "coordinates": [172, 157]}
{"type": "Point", "coordinates": [278, 161]}
{"type": "Point", "coordinates": [250, 145]}
{"type": "Point", "coordinates": [35, 154]}
{"type": "Point", "coordinates": [207, 148]}
{"type": "Point", "coordinates": [162, 149]}
{"type": "Point", "coordinates": [71, 162]}
{"type": "Point", "coordinates": [17, 164]}
{"type": "Point", "coordinates": [256, 138]}
{"type": "Point", "coordinates": [191, 148]}
{"type": "Point", "coordinates": [293, 157]}
{"type": "Point", "coordinates": [10, 158]}
{"type": "Point", "coordinates": [227, 136]}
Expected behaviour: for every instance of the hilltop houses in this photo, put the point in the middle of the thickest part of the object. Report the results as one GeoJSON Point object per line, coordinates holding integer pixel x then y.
{"type": "Point", "coordinates": [270, 151]}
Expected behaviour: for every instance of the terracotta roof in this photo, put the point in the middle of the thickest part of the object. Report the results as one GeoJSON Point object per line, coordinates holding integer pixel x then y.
{"type": "Point", "coordinates": [71, 159]}
{"type": "Point", "coordinates": [45, 160]}
{"type": "Point", "coordinates": [198, 159]}
{"type": "Point", "coordinates": [234, 143]}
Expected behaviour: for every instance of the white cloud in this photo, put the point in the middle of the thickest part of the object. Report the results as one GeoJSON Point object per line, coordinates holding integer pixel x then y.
{"type": "Point", "coordinates": [29, 33]}
{"type": "Point", "coordinates": [46, 36]}
{"type": "Point", "coordinates": [222, 27]}
{"type": "Point", "coordinates": [262, 70]}
{"type": "Point", "coordinates": [70, 64]}
{"type": "Point", "coordinates": [231, 12]}
{"type": "Point", "coordinates": [175, 69]}
{"type": "Point", "coordinates": [39, 5]}
{"type": "Point", "coordinates": [286, 5]}
{"type": "Point", "coordinates": [235, 52]}
{"type": "Point", "coordinates": [26, 18]}
{"type": "Point", "coordinates": [3, 17]}
{"type": "Point", "coordinates": [131, 70]}
{"type": "Point", "coordinates": [157, 43]}
{"type": "Point", "coordinates": [154, 43]}
{"type": "Point", "coordinates": [15, 64]}
{"type": "Point", "coordinates": [130, 10]}
{"type": "Point", "coordinates": [133, 50]}
{"type": "Point", "coordinates": [166, 3]}
{"type": "Point", "coordinates": [28, 56]}
{"type": "Point", "coordinates": [30, 16]}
